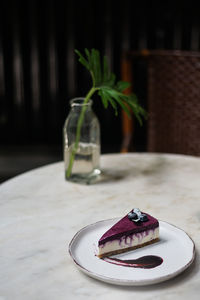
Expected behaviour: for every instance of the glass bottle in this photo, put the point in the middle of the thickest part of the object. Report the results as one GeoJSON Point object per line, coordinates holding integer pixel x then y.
{"type": "Point", "coordinates": [82, 153]}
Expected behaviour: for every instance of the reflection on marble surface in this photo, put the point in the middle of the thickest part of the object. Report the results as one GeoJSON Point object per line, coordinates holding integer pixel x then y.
{"type": "Point", "coordinates": [40, 212]}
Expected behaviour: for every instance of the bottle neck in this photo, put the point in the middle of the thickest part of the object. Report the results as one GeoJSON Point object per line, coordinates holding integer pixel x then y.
{"type": "Point", "coordinates": [78, 103]}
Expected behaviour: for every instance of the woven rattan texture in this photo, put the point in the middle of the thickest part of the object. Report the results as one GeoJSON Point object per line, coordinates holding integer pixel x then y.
{"type": "Point", "coordinates": [174, 103]}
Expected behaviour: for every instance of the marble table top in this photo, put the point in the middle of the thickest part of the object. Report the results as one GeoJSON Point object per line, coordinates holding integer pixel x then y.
{"type": "Point", "coordinates": [40, 213]}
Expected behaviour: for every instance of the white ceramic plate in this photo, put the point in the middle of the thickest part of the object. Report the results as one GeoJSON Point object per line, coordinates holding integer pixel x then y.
{"type": "Point", "coordinates": [175, 247]}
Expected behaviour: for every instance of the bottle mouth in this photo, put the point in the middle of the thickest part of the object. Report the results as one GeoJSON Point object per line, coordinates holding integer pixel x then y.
{"type": "Point", "coordinates": [80, 102]}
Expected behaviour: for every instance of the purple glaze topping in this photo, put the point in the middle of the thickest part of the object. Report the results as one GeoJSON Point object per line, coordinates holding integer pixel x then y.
{"type": "Point", "coordinates": [126, 227]}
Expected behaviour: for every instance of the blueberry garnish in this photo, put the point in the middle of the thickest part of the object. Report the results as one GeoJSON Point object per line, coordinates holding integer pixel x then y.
{"type": "Point", "coordinates": [135, 215]}
{"type": "Point", "coordinates": [132, 215]}
{"type": "Point", "coordinates": [143, 218]}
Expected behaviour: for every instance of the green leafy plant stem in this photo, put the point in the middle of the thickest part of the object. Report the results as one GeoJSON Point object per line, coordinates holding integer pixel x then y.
{"type": "Point", "coordinates": [78, 129]}
{"type": "Point", "coordinates": [110, 92]}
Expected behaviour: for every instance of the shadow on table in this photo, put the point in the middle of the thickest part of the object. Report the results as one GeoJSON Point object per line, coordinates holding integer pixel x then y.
{"type": "Point", "coordinates": [157, 166]}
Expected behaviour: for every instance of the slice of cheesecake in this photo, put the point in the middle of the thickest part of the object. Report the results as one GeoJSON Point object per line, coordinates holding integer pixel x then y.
{"type": "Point", "coordinates": [135, 230]}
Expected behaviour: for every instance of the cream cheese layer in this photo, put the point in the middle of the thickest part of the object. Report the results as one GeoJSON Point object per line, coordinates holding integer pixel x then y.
{"type": "Point", "coordinates": [133, 240]}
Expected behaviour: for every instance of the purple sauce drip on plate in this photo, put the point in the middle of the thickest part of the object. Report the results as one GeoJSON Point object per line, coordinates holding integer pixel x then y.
{"type": "Point", "coordinates": [144, 262]}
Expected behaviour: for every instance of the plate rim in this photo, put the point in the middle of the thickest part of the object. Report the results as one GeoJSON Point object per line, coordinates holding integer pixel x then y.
{"type": "Point", "coordinates": [129, 282]}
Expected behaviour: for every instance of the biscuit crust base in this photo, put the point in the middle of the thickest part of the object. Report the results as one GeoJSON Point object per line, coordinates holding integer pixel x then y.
{"type": "Point", "coordinates": [127, 249]}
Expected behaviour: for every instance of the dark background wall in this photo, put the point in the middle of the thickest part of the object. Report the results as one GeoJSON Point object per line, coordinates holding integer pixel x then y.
{"type": "Point", "coordinates": [39, 72]}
